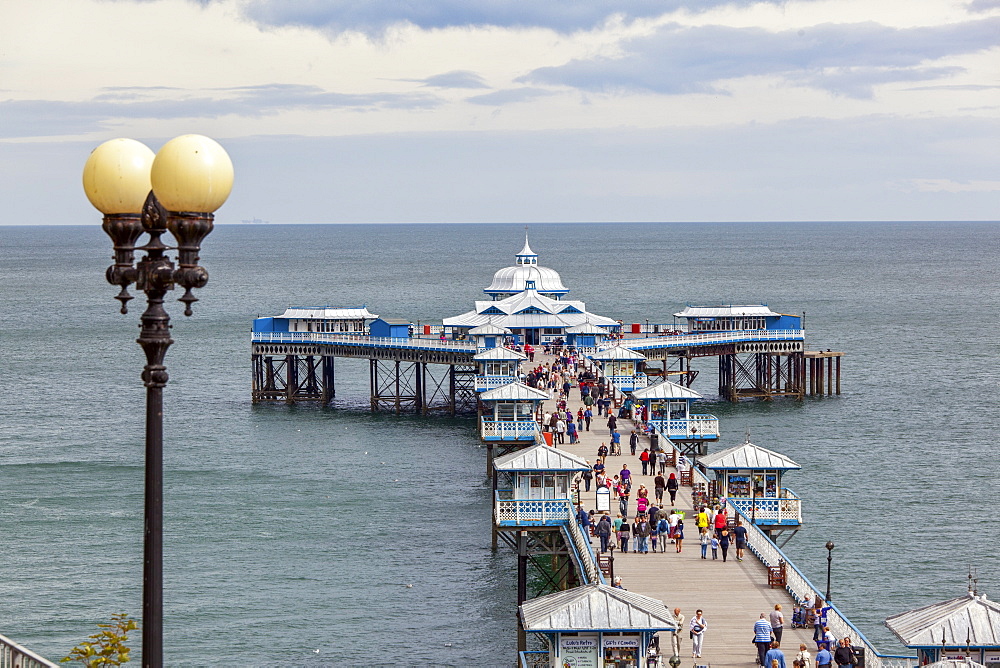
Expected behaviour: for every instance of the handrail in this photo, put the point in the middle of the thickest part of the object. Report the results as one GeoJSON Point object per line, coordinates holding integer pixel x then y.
{"type": "Point", "coordinates": [534, 658]}
{"type": "Point", "coordinates": [682, 340]}
{"type": "Point", "coordinates": [362, 341]}
{"type": "Point", "coordinates": [798, 585]}
{"type": "Point", "coordinates": [13, 655]}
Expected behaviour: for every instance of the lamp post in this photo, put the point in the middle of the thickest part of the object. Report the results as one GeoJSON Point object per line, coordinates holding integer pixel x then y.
{"type": "Point", "coordinates": [829, 562]}
{"type": "Point", "coordinates": [177, 190]}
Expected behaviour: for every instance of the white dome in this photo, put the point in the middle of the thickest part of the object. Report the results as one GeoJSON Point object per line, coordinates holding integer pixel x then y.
{"type": "Point", "coordinates": [511, 280]}
{"type": "Point", "coordinates": [526, 274]}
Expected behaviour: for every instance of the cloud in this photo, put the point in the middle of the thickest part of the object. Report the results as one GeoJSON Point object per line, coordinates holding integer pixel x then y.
{"type": "Point", "coordinates": [983, 5]}
{"type": "Point", "coordinates": [374, 17]}
{"type": "Point", "coordinates": [454, 79]}
{"type": "Point", "coordinates": [36, 118]}
{"type": "Point", "coordinates": [847, 59]}
{"type": "Point", "coordinates": [510, 96]}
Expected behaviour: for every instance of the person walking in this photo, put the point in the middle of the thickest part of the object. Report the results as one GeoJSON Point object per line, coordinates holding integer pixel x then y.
{"type": "Point", "coordinates": [588, 475]}
{"type": "Point", "coordinates": [616, 442]}
{"type": "Point", "coordinates": [661, 461]}
{"type": "Point", "coordinates": [588, 415]}
{"type": "Point", "coordinates": [633, 442]}
{"type": "Point", "coordinates": [823, 658]}
{"type": "Point", "coordinates": [715, 547]}
{"type": "Point", "coordinates": [774, 656]}
{"type": "Point", "coordinates": [676, 637]}
{"type": "Point", "coordinates": [624, 534]}
{"type": "Point", "coordinates": [659, 484]}
{"type": "Point", "coordinates": [603, 531]}
{"type": "Point", "coordinates": [802, 659]}
{"type": "Point", "coordinates": [642, 533]}
{"type": "Point", "coordinates": [679, 535]}
{"type": "Point", "coordinates": [762, 637]}
{"type": "Point", "coordinates": [623, 493]}
{"type": "Point", "coordinates": [571, 430]}
{"type": "Point", "coordinates": [612, 424]}
{"type": "Point", "coordinates": [698, 627]}
{"type": "Point", "coordinates": [672, 486]}
{"type": "Point", "coordinates": [724, 544]}
{"type": "Point", "coordinates": [740, 536]}
{"type": "Point", "coordinates": [644, 458]}
{"type": "Point", "coordinates": [777, 619]}
{"type": "Point", "coordinates": [560, 430]}
{"type": "Point", "coordinates": [705, 540]}
{"type": "Point", "coordinates": [584, 518]}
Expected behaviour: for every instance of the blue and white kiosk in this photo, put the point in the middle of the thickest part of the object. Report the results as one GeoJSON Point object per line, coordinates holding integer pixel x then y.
{"type": "Point", "coordinates": [586, 337]}
{"type": "Point", "coordinates": [489, 336]}
{"type": "Point", "coordinates": [667, 407]}
{"type": "Point", "coordinates": [496, 367]}
{"type": "Point", "coordinates": [751, 478]}
{"type": "Point", "coordinates": [595, 625]}
{"type": "Point", "coordinates": [620, 367]}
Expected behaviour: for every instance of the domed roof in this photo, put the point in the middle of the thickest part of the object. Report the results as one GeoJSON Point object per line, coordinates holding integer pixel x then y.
{"type": "Point", "coordinates": [526, 274]}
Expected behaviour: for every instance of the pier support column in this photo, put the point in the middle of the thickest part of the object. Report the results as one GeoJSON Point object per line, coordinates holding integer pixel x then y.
{"type": "Point", "coordinates": [522, 586]}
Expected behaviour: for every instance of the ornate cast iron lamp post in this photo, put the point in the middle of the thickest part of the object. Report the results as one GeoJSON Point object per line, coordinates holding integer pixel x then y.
{"type": "Point", "coordinates": [177, 190]}
{"type": "Point", "coordinates": [829, 562]}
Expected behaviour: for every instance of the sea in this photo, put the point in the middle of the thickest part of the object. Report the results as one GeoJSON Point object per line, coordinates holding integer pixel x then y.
{"type": "Point", "coordinates": [292, 533]}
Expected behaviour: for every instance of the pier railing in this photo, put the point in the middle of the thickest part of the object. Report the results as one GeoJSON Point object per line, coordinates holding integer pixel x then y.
{"type": "Point", "coordinates": [484, 383]}
{"type": "Point", "coordinates": [786, 509]}
{"type": "Point", "coordinates": [363, 341]}
{"type": "Point", "coordinates": [549, 512]}
{"type": "Point", "coordinates": [13, 655]}
{"type": "Point", "coordinates": [500, 430]}
{"type": "Point", "coordinates": [798, 585]}
{"type": "Point", "coordinates": [708, 338]}
{"type": "Point", "coordinates": [695, 425]}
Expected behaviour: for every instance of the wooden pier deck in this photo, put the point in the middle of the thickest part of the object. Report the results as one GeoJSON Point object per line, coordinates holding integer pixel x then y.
{"type": "Point", "coordinates": [732, 594]}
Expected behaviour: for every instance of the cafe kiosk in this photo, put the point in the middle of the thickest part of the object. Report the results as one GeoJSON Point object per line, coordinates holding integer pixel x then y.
{"type": "Point", "coordinates": [749, 476]}
{"type": "Point", "coordinates": [597, 626]}
{"type": "Point", "coordinates": [964, 628]}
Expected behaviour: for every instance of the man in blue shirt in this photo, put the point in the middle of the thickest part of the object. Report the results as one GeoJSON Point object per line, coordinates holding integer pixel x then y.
{"type": "Point", "coordinates": [774, 653]}
{"type": "Point", "coordinates": [762, 637]}
{"type": "Point", "coordinates": [824, 658]}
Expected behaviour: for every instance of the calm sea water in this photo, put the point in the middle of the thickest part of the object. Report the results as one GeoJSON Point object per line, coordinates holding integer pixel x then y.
{"type": "Point", "coordinates": [292, 530]}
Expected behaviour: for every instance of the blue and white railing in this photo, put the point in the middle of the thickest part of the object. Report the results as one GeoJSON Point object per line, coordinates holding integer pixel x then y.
{"type": "Point", "coordinates": [786, 509]}
{"type": "Point", "coordinates": [709, 338]}
{"type": "Point", "coordinates": [509, 512]}
{"type": "Point", "coordinates": [693, 427]}
{"type": "Point", "coordinates": [484, 383]}
{"type": "Point", "coordinates": [363, 341]}
{"type": "Point", "coordinates": [501, 430]}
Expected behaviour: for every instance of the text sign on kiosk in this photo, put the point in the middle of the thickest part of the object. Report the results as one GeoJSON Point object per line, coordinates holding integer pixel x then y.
{"type": "Point", "coordinates": [603, 499]}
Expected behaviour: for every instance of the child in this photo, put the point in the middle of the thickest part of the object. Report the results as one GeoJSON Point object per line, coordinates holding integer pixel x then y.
{"type": "Point", "coordinates": [679, 535]}
{"type": "Point", "coordinates": [654, 530]}
{"type": "Point", "coordinates": [704, 542]}
{"type": "Point", "coordinates": [715, 547]}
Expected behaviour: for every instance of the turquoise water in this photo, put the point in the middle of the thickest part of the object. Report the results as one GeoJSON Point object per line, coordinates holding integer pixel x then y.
{"type": "Point", "coordinates": [283, 537]}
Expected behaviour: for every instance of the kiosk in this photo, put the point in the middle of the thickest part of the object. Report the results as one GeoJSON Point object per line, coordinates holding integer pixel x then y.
{"type": "Point", "coordinates": [596, 626]}
{"type": "Point", "coordinates": [667, 407]}
{"type": "Point", "coordinates": [496, 367]}
{"type": "Point", "coordinates": [750, 477]}
{"type": "Point", "coordinates": [964, 628]}
{"type": "Point", "coordinates": [620, 367]}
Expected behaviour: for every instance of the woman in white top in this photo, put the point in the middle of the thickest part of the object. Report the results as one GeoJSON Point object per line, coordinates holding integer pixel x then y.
{"type": "Point", "coordinates": [698, 626]}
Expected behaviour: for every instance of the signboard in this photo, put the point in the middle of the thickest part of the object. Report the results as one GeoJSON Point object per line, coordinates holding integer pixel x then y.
{"type": "Point", "coordinates": [578, 652]}
{"type": "Point", "coordinates": [991, 656]}
{"type": "Point", "coordinates": [621, 642]}
{"type": "Point", "coordinates": [603, 499]}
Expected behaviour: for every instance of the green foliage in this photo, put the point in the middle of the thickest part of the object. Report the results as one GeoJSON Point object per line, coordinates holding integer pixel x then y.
{"type": "Point", "coordinates": [106, 648]}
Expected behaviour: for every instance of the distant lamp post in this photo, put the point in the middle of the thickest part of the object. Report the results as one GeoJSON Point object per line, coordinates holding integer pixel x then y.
{"type": "Point", "coordinates": [177, 190]}
{"type": "Point", "coordinates": [829, 563]}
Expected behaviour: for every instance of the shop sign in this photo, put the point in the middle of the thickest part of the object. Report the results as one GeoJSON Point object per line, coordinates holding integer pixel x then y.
{"type": "Point", "coordinates": [578, 652]}
{"type": "Point", "coordinates": [621, 642]}
{"type": "Point", "coordinates": [991, 656]}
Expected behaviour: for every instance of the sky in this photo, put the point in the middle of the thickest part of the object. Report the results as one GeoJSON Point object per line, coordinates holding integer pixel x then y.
{"type": "Point", "coordinates": [527, 111]}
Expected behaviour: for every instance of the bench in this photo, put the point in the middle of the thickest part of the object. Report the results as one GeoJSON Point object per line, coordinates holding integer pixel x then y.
{"type": "Point", "coordinates": [776, 575]}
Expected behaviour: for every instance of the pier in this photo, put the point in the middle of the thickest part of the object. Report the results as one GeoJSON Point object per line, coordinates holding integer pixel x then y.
{"type": "Point", "coordinates": [731, 594]}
